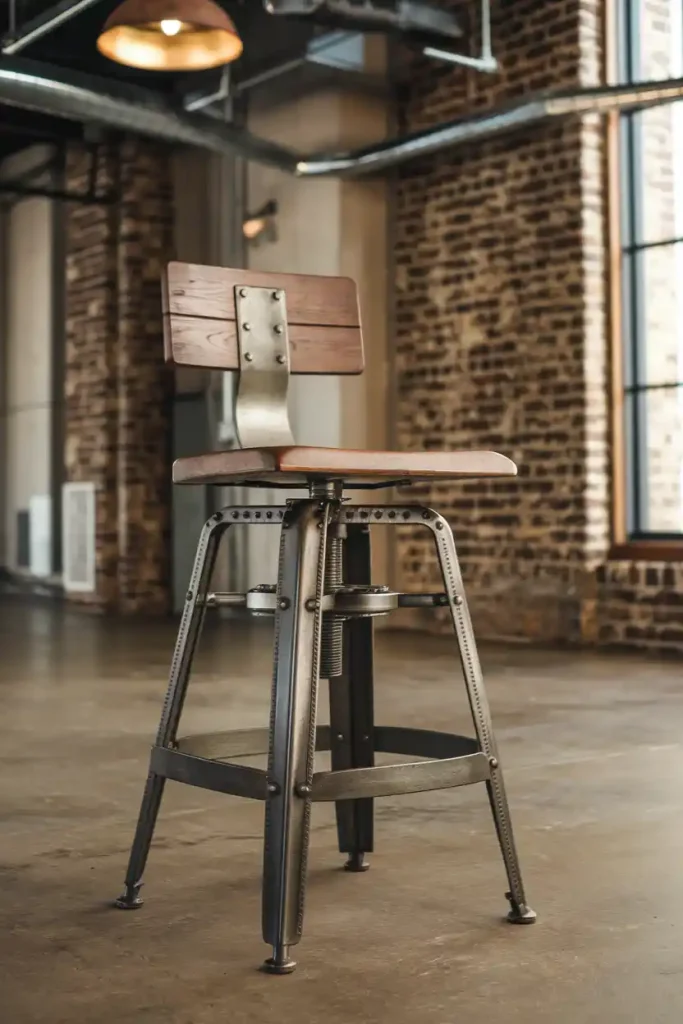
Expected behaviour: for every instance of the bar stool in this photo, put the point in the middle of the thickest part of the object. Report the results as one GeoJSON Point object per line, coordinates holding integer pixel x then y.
{"type": "Point", "coordinates": [266, 326]}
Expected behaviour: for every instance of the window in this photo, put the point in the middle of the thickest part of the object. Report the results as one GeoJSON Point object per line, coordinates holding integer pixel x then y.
{"type": "Point", "coordinates": [650, 34]}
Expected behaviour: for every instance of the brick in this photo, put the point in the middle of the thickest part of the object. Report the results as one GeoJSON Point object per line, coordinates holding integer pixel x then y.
{"type": "Point", "coordinates": [117, 417]}
{"type": "Point", "coordinates": [501, 338]}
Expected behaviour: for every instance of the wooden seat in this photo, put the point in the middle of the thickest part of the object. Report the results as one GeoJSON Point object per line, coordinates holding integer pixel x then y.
{"type": "Point", "coordinates": [291, 466]}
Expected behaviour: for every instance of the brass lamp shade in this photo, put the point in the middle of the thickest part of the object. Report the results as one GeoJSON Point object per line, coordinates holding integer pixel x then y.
{"type": "Point", "coordinates": [170, 35]}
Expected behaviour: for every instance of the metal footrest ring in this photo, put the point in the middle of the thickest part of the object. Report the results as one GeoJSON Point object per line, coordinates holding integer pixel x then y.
{"type": "Point", "coordinates": [451, 761]}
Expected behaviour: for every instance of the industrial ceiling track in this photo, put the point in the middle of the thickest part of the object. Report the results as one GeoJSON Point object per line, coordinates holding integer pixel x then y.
{"type": "Point", "coordinates": [96, 101]}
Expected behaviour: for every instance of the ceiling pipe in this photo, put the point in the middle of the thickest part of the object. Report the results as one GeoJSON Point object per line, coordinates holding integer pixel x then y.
{"type": "Point", "coordinates": [33, 86]}
{"type": "Point", "coordinates": [522, 114]}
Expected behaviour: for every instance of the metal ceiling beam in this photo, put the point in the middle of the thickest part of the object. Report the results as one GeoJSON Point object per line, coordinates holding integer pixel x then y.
{"type": "Point", "coordinates": [34, 86]}
{"type": "Point", "coordinates": [43, 24]}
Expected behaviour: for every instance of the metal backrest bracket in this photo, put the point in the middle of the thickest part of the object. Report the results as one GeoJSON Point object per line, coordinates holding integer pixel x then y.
{"type": "Point", "coordinates": [261, 414]}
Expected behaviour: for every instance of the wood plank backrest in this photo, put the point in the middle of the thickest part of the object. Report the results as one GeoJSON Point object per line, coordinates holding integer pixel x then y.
{"type": "Point", "coordinates": [199, 318]}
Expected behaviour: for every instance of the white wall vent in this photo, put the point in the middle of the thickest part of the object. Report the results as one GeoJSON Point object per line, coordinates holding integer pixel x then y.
{"type": "Point", "coordinates": [78, 537]}
{"type": "Point", "coordinates": [40, 535]}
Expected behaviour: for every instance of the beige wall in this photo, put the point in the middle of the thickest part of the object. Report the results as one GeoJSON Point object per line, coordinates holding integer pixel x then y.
{"type": "Point", "coordinates": [208, 224]}
{"type": "Point", "coordinates": [333, 227]}
{"type": "Point", "coordinates": [27, 345]}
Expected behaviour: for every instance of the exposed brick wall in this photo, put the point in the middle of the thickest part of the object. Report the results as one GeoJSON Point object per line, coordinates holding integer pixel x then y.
{"type": "Point", "coordinates": [501, 312]}
{"type": "Point", "coordinates": [117, 388]}
{"type": "Point", "coordinates": [144, 384]}
{"type": "Point", "coordinates": [640, 604]}
{"type": "Point", "coordinates": [498, 302]}
{"type": "Point", "coordinates": [90, 361]}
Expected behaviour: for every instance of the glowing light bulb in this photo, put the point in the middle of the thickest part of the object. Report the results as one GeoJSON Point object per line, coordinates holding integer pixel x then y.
{"type": "Point", "coordinates": [171, 27]}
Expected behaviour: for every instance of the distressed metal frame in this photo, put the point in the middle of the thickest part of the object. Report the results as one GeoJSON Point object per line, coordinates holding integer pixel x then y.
{"type": "Point", "coordinates": [290, 784]}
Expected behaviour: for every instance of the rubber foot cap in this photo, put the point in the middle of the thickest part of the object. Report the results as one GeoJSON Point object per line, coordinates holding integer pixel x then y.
{"type": "Point", "coordinates": [272, 966]}
{"type": "Point", "coordinates": [356, 863]}
{"type": "Point", "coordinates": [522, 915]}
{"type": "Point", "coordinates": [129, 901]}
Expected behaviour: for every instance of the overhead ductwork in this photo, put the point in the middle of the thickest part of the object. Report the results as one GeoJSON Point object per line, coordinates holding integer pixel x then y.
{"type": "Point", "coordinates": [37, 87]}
{"type": "Point", "coordinates": [409, 17]}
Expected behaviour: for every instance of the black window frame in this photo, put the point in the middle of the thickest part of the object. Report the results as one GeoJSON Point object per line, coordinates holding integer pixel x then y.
{"type": "Point", "coordinates": [635, 387]}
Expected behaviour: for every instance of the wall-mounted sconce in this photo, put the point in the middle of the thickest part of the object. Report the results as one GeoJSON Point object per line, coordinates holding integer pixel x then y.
{"type": "Point", "coordinates": [261, 226]}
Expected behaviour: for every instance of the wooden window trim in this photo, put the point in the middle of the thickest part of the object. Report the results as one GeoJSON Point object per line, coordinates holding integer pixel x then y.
{"type": "Point", "coordinates": [622, 548]}
{"type": "Point", "coordinates": [646, 551]}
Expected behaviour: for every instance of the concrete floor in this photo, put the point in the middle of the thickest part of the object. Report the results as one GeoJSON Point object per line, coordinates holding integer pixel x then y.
{"type": "Point", "coordinates": [593, 748]}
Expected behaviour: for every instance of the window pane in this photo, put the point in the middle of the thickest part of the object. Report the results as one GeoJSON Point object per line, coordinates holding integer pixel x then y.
{"type": "Point", "coordinates": [657, 28]}
{"type": "Point", "coordinates": [653, 316]}
{"type": "Point", "coordinates": [657, 430]}
{"type": "Point", "coordinates": [657, 182]}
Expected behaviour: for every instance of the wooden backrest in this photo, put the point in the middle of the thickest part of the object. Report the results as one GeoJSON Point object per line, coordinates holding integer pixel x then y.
{"type": "Point", "coordinates": [199, 318]}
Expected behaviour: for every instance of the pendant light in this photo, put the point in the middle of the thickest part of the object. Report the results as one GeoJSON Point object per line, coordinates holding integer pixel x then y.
{"type": "Point", "coordinates": [170, 35]}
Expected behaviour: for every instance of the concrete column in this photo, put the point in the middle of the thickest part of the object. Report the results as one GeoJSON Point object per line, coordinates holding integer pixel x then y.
{"type": "Point", "coordinates": [26, 366]}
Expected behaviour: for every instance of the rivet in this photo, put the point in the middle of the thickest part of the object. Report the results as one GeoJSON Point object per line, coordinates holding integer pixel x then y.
{"type": "Point", "coordinates": [366, 739]}
{"type": "Point", "coordinates": [364, 514]}
{"type": "Point", "coordinates": [406, 514]}
{"type": "Point", "coordinates": [218, 517]}
{"type": "Point", "coordinates": [303, 790]}
{"type": "Point", "coordinates": [246, 327]}
{"type": "Point", "coordinates": [425, 514]}
{"type": "Point", "coordinates": [189, 595]}
{"type": "Point", "coordinates": [340, 737]}
{"type": "Point", "coordinates": [392, 515]}
{"type": "Point", "coordinates": [439, 525]}
{"type": "Point", "coordinates": [248, 357]}
{"type": "Point", "coordinates": [245, 515]}
{"type": "Point", "coordinates": [278, 328]}
{"type": "Point", "coordinates": [257, 515]}
{"type": "Point", "coordinates": [234, 515]}
{"type": "Point", "coordinates": [280, 359]}
{"type": "Point", "coordinates": [493, 762]}
{"type": "Point", "coordinates": [276, 295]}
{"type": "Point", "coordinates": [273, 788]}
{"type": "Point", "coordinates": [269, 515]}
{"type": "Point", "coordinates": [284, 603]}
{"type": "Point", "coordinates": [457, 600]}
{"type": "Point", "coordinates": [243, 293]}
{"type": "Point", "coordinates": [378, 514]}
{"type": "Point", "coordinates": [312, 605]}
{"type": "Point", "coordinates": [349, 514]}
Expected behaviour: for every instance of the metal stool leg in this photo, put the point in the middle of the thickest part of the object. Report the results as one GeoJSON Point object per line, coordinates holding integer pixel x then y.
{"type": "Point", "coordinates": [351, 708]}
{"type": "Point", "coordinates": [292, 731]}
{"type": "Point", "coordinates": [188, 634]}
{"type": "Point", "coordinates": [520, 912]}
